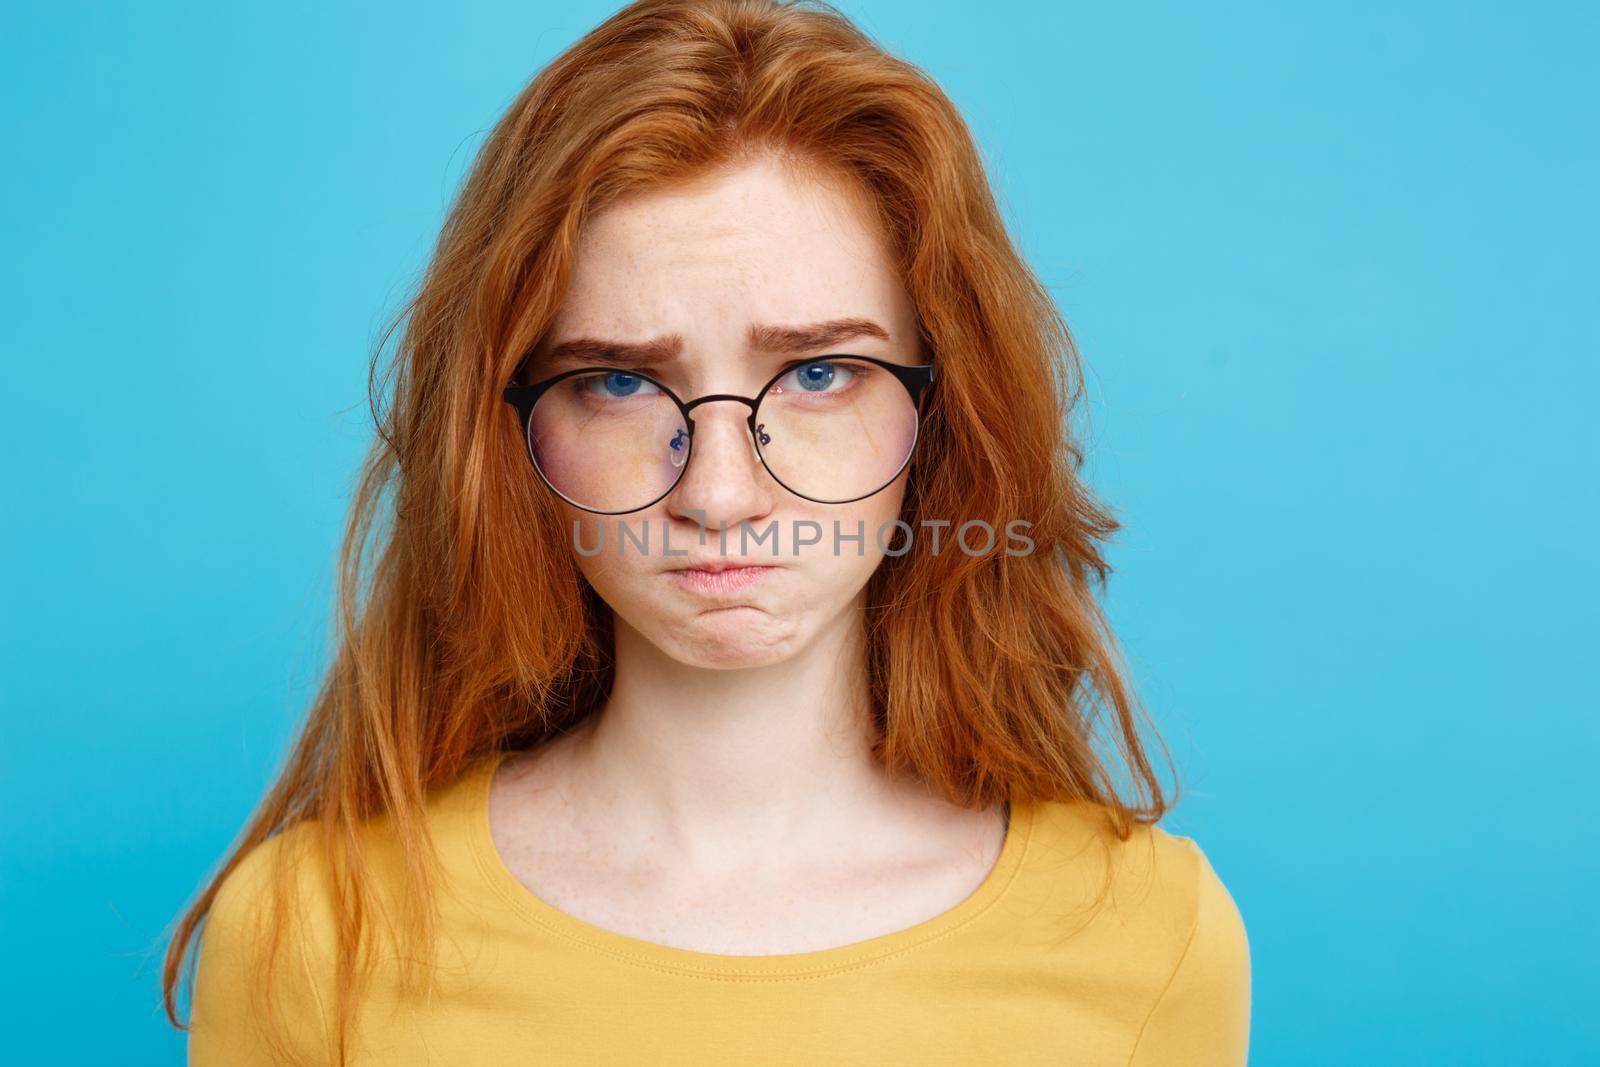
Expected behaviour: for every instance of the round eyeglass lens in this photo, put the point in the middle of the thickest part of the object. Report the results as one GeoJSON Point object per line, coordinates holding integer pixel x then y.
{"type": "Point", "coordinates": [835, 430]}
{"type": "Point", "coordinates": [608, 440]}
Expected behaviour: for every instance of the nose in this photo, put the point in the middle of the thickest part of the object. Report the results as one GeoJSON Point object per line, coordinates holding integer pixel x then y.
{"type": "Point", "coordinates": [724, 483]}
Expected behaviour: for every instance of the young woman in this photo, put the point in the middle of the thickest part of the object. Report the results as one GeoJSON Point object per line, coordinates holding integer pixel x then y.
{"type": "Point", "coordinates": [724, 689]}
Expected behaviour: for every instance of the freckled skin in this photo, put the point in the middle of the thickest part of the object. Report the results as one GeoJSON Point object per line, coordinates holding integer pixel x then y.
{"type": "Point", "coordinates": [570, 443]}
{"type": "Point", "coordinates": [755, 244]}
{"type": "Point", "coordinates": [869, 433]}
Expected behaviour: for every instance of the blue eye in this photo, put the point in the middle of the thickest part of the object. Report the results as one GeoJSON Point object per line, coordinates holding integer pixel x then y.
{"type": "Point", "coordinates": [817, 377]}
{"type": "Point", "coordinates": [616, 385]}
{"type": "Point", "coordinates": [619, 384]}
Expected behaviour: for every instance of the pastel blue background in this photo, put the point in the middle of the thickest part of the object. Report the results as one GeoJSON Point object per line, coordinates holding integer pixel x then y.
{"type": "Point", "coordinates": [1332, 267]}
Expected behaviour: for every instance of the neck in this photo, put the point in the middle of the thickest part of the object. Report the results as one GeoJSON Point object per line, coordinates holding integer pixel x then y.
{"type": "Point", "coordinates": [693, 759]}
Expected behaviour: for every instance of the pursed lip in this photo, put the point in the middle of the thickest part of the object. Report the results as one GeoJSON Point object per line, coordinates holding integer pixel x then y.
{"type": "Point", "coordinates": [718, 564]}
{"type": "Point", "coordinates": [727, 581]}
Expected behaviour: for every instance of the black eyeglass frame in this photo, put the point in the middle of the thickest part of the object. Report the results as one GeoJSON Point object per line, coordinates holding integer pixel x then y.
{"type": "Point", "coordinates": [915, 378]}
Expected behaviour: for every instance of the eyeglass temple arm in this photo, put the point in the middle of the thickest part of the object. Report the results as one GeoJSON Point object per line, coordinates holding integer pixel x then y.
{"type": "Point", "coordinates": [914, 378]}
{"type": "Point", "coordinates": [523, 397]}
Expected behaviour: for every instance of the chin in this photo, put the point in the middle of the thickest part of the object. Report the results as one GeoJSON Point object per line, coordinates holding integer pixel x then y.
{"type": "Point", "coordinates": [729, 639]}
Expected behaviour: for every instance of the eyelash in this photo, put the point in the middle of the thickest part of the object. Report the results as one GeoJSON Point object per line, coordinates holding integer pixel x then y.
{"type": "Point", "coordinates": [792, 364]}
{"type": "Point", "coordinates": [654, 372]}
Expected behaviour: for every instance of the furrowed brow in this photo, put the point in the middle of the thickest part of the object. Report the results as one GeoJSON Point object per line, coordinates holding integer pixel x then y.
{"type": "Point", "coordinates": [813, 335]}
{"type": "Point", "coordinates": [635, 355]}
{"type": "Point", "coordinates": [629, 355]}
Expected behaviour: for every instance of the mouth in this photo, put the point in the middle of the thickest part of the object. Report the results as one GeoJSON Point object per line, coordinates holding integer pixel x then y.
{"type": "Point", "coordinates": [719, 577]}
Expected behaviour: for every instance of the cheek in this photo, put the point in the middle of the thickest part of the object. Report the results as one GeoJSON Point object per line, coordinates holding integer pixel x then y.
{"type": "Point", "coordinates": [854, 561]}
{"type": "Point", "coordinates": [607, 463]}
{"type": "Point", "coordinates": [592, 540]}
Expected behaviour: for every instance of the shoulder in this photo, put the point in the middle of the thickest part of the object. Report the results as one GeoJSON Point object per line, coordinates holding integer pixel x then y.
{"type": "Point", "coordinates": [1205, 1003]}
{"type": "Point", "coordinates": [1163, 926]}
{"type": "Point", "coordinates": [270, 944]}
{"type": "Point", "coordinates": [1150, 868]}
{"type": "Point", "coordinates": [259, 982]}
{"type": "Point", "coordinates": [280, 872]}
{"type": "Point", "coordinates": [1216, 949]}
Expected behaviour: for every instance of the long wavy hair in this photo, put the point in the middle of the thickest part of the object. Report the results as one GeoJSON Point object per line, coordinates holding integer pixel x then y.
{"type": "Point", "coordinates": [456, 590]}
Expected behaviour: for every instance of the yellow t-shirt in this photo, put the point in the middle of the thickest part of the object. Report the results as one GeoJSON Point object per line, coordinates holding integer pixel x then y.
{"type": "Point", "coordinates": [1023, 971]}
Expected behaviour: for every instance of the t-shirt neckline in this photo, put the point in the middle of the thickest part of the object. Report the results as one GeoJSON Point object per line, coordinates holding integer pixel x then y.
{"type": "Point", "coordinates": [676, 960]}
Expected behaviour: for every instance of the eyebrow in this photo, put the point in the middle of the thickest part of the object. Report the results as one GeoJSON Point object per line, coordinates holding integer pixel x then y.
{"type": "Point", "coordinates": [761, 338]}
{"type": "Point", "coordinates": [814, 335]}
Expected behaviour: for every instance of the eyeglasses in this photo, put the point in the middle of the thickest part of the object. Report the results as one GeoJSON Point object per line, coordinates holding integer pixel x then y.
{"type": "Point", "coordinates": [831, 430]}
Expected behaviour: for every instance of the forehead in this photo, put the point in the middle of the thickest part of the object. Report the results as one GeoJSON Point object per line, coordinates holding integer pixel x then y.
{"type": "Point", "coordinates": [758, 242]}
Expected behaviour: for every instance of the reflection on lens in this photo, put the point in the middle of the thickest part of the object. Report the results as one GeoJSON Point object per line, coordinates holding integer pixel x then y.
{"type": "Point", "coordinates": [608, 440]}
{"type": "Point", "coordinates": [836, 430]}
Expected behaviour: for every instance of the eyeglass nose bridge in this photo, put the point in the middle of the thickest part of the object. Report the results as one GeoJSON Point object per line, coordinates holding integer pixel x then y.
{"type": "Point", "coordinates": [709, 398]}
{"type": "Point", "coordinates": [753, 403]}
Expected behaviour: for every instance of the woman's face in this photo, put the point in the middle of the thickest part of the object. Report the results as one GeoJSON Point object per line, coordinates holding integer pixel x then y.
{"type": "Point", "coordinates": [717, 264]}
